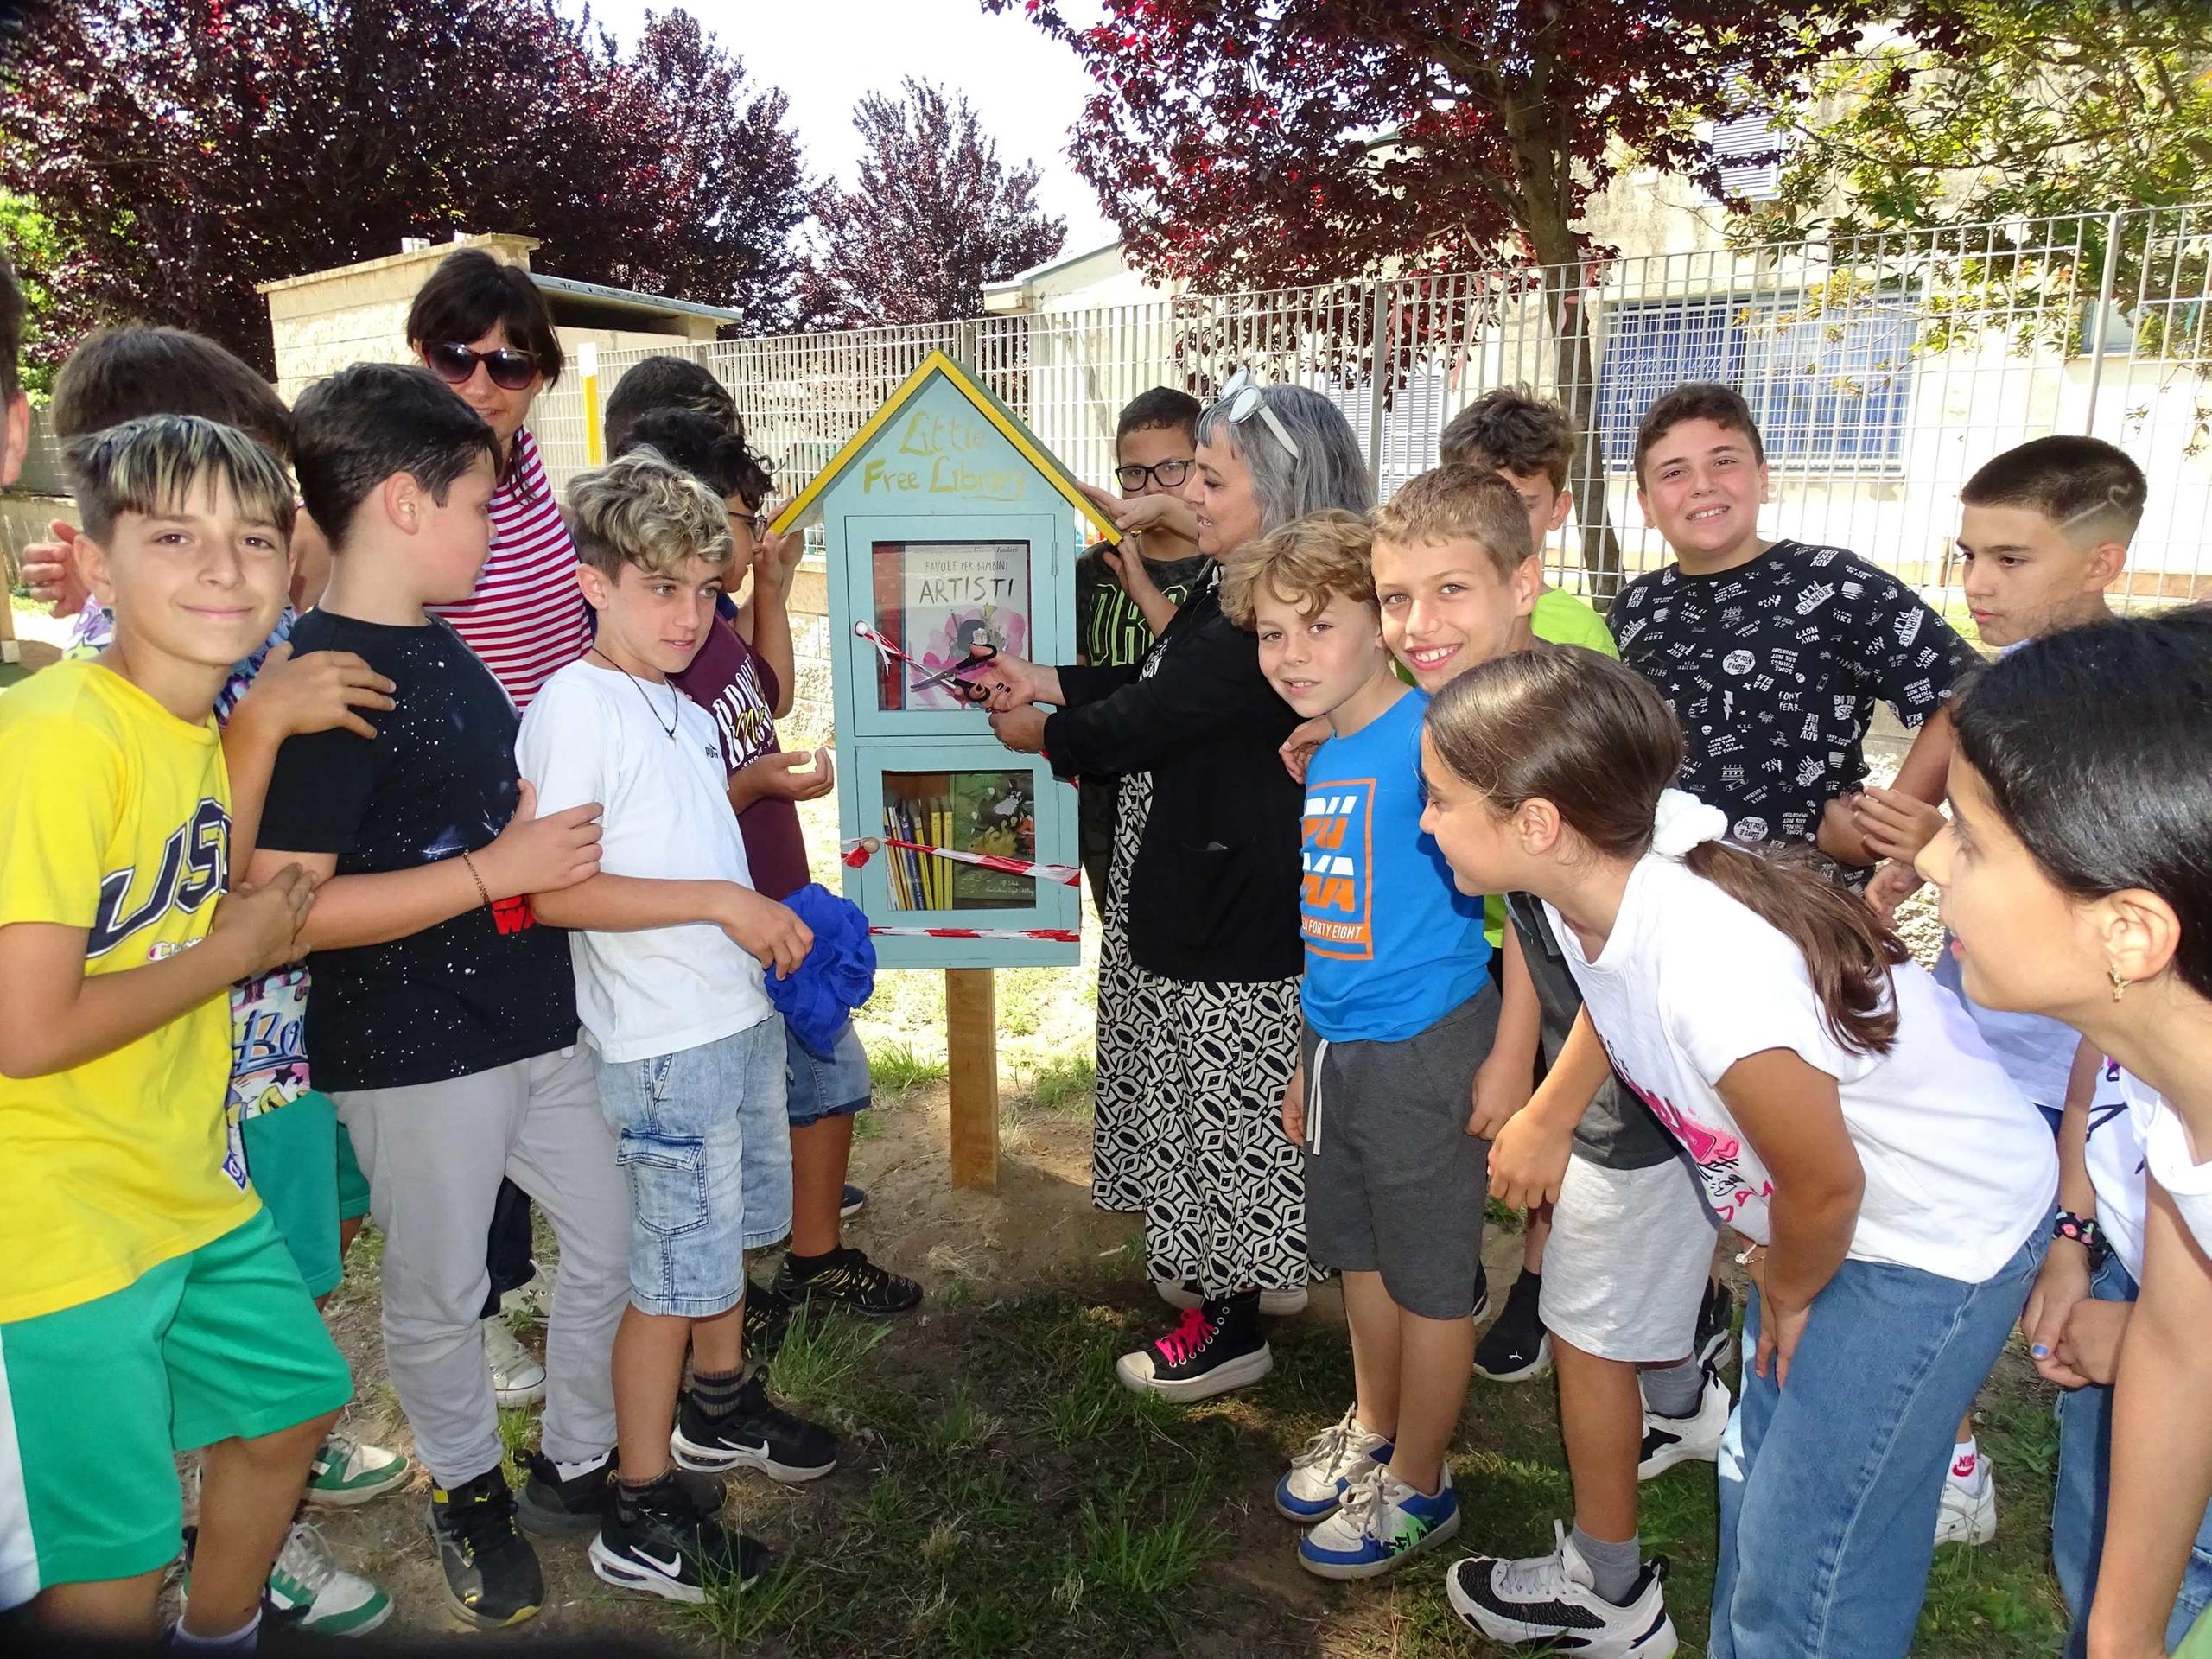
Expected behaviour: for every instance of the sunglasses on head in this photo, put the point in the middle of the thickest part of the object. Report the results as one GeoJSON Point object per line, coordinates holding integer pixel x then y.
{"type": "Point", "coordinates": [454, 362]}
{"type": "Point", "coordinates": [1245, 399]}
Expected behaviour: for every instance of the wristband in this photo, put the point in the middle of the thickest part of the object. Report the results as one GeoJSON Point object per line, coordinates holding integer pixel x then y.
{"type": "Point", "coordinates": [2084, 1230]}
{"type": "Point", "coordinates": [482, 892]}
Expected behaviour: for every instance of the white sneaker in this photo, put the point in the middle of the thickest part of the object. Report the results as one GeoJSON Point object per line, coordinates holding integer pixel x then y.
{"type": "Point", "coordinates": [517, 1377]}
{"type": "Point", "coordinates": [308, 1590]}
{"type": "Point", "coordinates": [1274, 1303]}
{"type": "Point", "coordinates": [1670, 1440]}
{"type": "Point", "coordinates": [1967, 1516]}
{"type": "Point", "coordinates": [1383, 1523]}
{"type": "Point", "coordinates": [1332, 1461]}
{"type": "Point", "coordinates": [1554, 1598]}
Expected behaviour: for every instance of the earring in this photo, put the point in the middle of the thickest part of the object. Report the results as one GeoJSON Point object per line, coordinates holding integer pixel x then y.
{"type": "Point", "coordinates": [2119, 985]}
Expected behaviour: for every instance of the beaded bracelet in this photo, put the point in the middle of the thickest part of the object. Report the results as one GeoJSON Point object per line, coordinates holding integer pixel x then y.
{"type": "Point", "coordinates": [2082, 1230]}
{"type": "Point", "coordinates": [482, 892]}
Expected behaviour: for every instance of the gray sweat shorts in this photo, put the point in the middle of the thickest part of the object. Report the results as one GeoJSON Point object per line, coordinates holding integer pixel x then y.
{"type": "Point", "coordinates": [1395, 1185]}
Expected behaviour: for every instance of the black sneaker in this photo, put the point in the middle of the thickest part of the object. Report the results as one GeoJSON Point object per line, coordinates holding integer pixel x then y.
{"type": "Point", "coordinates": [664, 1548]}
{"type": "Point", "coordinates": [848, 1279]}
{"type": "Point", "coordinates": [758, 1434]}
{"type": "Point", "coordinates": [553, 1508]}
{"type": "Point", "coordinates": [1481, 1309]}
{"type": "Point", "coordinates": [1716, 1327]}
{"type": "Point", "coordinates": [767, 1316]}
{"type": "Point", "coordinates": [853, 1200]}
{"type": "Point", "coordinates": [1516, 1347]}
{"type": "Point", "coordinates": [492, 1574]}
{"type": "Point", "coordinates": [1216, 1347]}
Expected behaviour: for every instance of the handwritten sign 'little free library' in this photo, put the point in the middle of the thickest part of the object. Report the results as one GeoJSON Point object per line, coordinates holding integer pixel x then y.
{"type": "Point", "coordinates": [946, 456]}
{"type": "Point", "coordinates": [947, 527]}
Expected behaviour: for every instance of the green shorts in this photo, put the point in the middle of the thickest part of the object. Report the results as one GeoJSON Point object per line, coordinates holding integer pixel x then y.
{"type": "Point", "coordinates": [301, 1163]}
{"type": "Point", "coordinates": [95, 1401]}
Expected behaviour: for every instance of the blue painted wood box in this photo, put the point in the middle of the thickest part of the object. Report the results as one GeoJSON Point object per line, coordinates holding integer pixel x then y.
{"type": "Point", "coordinates": [946, 523]}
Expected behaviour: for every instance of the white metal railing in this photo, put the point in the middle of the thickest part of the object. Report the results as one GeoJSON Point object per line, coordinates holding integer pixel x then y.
{"type": "Point", "coordinates": [1884, 369]}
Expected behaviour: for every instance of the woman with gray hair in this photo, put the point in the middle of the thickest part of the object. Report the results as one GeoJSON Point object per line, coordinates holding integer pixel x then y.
{"type": "Point", "coordinates": [1198, 982]}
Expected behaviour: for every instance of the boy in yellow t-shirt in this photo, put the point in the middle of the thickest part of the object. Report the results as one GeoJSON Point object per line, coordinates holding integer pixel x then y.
{"type": "Point", "coordinates": [141, 1267]}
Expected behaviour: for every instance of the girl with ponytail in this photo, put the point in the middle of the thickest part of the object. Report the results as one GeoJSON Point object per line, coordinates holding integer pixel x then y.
{"type": "Point", "coordinates": [1840, 1110]}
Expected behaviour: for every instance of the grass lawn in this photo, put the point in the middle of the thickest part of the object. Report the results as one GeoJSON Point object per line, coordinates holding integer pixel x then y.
{"type": "Point", "coordinates": [1018, 1497]}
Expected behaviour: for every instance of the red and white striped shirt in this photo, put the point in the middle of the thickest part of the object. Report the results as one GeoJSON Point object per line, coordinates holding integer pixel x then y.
{"type": "Point", "coordinates": [526, 618]}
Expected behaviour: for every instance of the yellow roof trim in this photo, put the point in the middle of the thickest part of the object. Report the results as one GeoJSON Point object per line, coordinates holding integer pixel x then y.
{"type": "Point", "coordinates": [986, 406]}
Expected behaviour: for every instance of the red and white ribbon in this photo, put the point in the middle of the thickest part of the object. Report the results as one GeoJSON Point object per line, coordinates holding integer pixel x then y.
{"type": "Point", "coordinates": [1061, 934]}
{"type": "Point", "coordinates": [857, 853]}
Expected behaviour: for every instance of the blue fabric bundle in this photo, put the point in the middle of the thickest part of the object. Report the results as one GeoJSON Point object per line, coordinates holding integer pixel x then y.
{"type": "Point", "coordinates": [837, 976]}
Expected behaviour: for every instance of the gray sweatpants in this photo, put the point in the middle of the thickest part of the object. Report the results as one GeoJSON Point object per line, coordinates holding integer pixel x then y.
{"type": "Point", "coordinates": [434, 1154]}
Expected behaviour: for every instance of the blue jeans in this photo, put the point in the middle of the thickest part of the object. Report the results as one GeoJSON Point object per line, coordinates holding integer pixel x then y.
{"type": "Point", "coordinates": [702, 1138]}
{"type": "Point", "coordinates": [1830, 1487]}
{"type": "Point", "coordinates": [2077, 1507]}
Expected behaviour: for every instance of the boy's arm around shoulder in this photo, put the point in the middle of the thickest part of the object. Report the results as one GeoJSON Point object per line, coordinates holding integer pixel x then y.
{"type": "Point", "coordinates": [61, 790]}
{"type": "Point", "coordinates": [318, 799]}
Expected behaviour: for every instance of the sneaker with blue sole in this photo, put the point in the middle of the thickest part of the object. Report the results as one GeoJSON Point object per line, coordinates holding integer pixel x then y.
{"type": "Point", "coordinates": [1382, 1524]}
{"type": "Point", "coordinates": [1319, 1475]}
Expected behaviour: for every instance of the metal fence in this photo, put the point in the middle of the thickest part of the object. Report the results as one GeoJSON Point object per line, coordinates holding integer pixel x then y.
{"type": "Point", "coordinates": [1883, 370]}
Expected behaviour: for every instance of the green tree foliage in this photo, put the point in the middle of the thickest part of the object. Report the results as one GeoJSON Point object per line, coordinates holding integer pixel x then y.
{"type": "Point", "coordinates": [1984, 110]}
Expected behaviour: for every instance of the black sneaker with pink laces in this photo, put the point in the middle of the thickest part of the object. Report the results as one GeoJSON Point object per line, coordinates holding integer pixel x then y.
{"type": "Point", "coordinates": [1215, 1348]}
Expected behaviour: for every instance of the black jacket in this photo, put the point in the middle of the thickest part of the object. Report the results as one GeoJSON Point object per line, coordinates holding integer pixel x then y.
{"type": "Point", "coordinates": [1213, 894]}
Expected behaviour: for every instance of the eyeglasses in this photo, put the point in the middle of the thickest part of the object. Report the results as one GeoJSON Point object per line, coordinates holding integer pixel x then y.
{"type": "Point", "coordinates": [751, 522]}
{"type": "Point", "coordinates": [1166, 473]}
{"type": "Point", "coordinates": [454, 362]}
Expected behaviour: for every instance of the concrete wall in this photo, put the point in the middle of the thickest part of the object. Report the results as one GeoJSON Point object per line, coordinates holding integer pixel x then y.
{"type": "Point", "coordinates": [357, 313]}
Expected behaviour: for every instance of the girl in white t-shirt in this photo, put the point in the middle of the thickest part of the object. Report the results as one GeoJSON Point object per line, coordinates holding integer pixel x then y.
{"type": "Point", "coordinates": [2077, 882]}
{"type": "Point", "coordinates": [1841, 1112]}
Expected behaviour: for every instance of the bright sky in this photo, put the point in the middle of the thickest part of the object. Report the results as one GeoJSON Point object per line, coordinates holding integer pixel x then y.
{"type": "Point", "coordinates": [1025, 87]}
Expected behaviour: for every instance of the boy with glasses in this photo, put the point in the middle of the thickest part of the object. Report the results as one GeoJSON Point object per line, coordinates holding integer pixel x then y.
{"type": "Point", "coordinates": [1122, 604]}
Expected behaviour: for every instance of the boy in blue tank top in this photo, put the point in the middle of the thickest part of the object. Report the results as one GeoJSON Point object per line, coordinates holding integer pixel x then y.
{"type": "Point", "coordinates": [1400, 1013]}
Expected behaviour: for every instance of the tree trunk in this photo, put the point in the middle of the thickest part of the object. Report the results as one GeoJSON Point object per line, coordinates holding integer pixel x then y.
{"type": "Point", "coordinates": [1575, 380]}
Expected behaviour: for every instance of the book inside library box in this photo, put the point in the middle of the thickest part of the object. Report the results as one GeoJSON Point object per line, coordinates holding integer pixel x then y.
{"type": "Point", "coordinates": [934, 600]}
{"type": "Point", "coordinates": [987, 811]}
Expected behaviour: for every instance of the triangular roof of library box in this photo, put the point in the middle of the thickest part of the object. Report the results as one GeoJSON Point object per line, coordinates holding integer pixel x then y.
{"type": "Point", "coordinates": [936, 366]}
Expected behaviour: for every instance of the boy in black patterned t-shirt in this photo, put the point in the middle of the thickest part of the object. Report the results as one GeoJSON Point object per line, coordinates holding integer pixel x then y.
{"type": "Point", "coordinates": [1772, 654]}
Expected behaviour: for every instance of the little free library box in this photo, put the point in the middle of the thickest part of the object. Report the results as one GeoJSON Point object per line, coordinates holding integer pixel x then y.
{"type": "Point", "coordinates": [947, 525]}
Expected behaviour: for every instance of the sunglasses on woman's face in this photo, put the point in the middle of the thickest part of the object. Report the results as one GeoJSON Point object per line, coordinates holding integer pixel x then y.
{"type": "Point", "coordinates": [454, 362]}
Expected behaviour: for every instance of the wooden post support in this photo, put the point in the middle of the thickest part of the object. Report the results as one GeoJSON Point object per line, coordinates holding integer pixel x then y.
{"type": "Point", "coordinates": [972, 1034]}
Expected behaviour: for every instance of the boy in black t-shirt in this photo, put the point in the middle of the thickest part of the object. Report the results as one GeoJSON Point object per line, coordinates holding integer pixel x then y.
{"type": "Point", "coordinates": [444, 1022]}
{"type": "Point", "coordinates": [1122, 604]}
{"type": "Point", "coordinates": [1772, 654]}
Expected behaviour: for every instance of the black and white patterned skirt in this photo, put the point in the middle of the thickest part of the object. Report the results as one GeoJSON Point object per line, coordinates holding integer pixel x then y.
{"type": "Point", "coordinates": [1189, 1130]}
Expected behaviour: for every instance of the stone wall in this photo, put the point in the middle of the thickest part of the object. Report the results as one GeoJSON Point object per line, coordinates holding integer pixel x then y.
{"type": "Point", "coordinates": [812, 718]}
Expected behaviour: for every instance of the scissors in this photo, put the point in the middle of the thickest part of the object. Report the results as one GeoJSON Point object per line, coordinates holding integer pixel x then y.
{"type": "Point", "coordinates": [980, 656]}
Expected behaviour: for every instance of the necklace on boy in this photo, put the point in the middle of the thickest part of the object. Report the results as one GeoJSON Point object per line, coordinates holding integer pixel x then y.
{"type": "Point", "coordinates": [676, 710]}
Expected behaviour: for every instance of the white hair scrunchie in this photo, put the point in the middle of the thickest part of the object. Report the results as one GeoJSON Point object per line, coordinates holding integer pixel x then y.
{"type": "Point", "coordinates": [1683, 822]}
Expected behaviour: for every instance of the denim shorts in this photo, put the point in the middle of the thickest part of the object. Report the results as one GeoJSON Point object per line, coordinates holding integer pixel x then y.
{"type": "Point", "coordinates": [703, 1141]}
{"type": "Point", "coordinates": [837, 1087]}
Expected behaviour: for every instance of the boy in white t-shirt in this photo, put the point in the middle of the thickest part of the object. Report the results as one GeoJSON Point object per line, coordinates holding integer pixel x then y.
{"type": "Point", "coordinates": [669, 942]}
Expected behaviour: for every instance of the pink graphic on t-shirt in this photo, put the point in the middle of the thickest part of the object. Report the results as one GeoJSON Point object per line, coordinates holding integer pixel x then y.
{"type": "Point", "coordinates": [1717, 1153]}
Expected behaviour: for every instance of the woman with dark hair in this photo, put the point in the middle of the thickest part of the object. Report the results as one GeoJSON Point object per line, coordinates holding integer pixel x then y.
{"type": "Point", "coordinates": [1198, 983]}
{"type": "Point", "coordinates": [2076, 874]}
{"type": "Point", "coordinates": [482, 327]}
